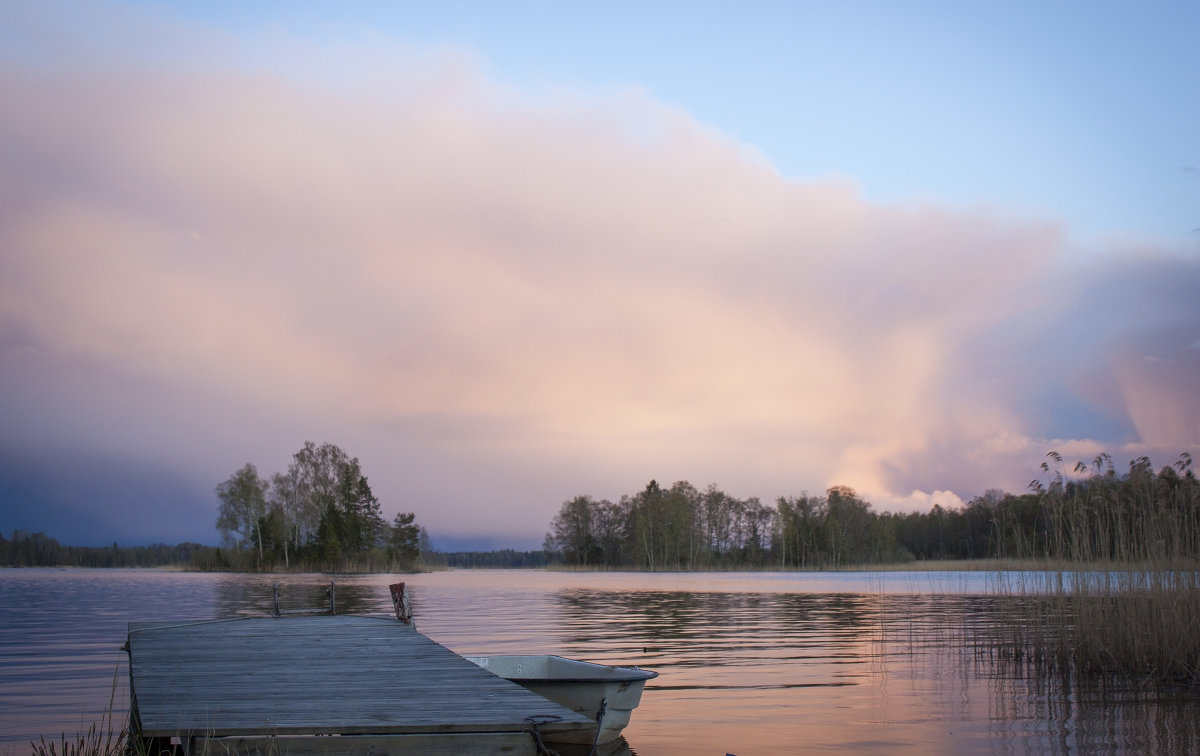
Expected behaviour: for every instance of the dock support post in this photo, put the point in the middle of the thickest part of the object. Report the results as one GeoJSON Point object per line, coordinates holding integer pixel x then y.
{"type": "Point", "coordinates": [401, 604]}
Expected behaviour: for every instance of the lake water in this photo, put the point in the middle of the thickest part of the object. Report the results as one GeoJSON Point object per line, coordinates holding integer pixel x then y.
{"type": "Point", "coordinates": [749, 663]}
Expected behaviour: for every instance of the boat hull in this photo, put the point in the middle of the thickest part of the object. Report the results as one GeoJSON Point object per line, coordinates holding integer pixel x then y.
{"type": "Point", "coordinates": [580, 686]}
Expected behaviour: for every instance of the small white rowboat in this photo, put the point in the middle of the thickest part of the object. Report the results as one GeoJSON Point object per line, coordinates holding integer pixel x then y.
{"type": "Point", "coordinates": [599, 692]}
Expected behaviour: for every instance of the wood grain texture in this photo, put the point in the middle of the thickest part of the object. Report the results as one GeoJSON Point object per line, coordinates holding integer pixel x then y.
{"type": "Point", "coordinates": [318, 675]}
{"type": "Point", "coordinates": [449, 744]}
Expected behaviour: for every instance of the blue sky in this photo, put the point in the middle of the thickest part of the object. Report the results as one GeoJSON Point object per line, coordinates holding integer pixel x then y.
{"type": "Point", "coordinates": [1077, 112]}
{"type": "Point", "coordinates": [507, 254]}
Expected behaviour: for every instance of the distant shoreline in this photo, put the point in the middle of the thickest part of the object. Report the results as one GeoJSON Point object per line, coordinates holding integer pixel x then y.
{"type": "Point", "coordinates": [935, 565]}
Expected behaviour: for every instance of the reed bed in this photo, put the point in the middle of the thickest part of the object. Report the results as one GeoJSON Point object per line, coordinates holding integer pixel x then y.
{"type": "Point", "coordinates": [1138, 625]}
{"type": "Point", "coordinates": [1126, 602]}
{"type": "Point", "coordinates": [102, 738]}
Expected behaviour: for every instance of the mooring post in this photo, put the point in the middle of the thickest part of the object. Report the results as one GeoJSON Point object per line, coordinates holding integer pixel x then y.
{"type": "Point", "coordinates": [401, 603]}
{"type": "Point", "coordinates": [275, 592]}
{"type": "Point", "coordinates": [332, 601]}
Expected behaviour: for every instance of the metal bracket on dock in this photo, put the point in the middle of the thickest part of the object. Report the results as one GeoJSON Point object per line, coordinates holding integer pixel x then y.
{"type": "Point", "coordinates": [331, 592]}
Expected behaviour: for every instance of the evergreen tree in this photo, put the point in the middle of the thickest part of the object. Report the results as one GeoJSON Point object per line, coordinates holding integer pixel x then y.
{"type": "Point", "coordinates": [405, 545]}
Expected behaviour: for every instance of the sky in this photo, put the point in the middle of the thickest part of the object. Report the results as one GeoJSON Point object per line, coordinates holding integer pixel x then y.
{"type": "Point", "coordinates": [511, 253]}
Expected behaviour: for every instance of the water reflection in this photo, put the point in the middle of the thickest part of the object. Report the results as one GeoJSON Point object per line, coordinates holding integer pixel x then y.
{"type": "Point", "coordinates": [254, 595]}
{"type": "Point", "coordinates": [1062, 714]}
{"type": "Point", "coordinates": [715, 641]}
{"type": "Point", "coordinates": [762, 664]}
{"type": "Point", "coordinates": [923, 682]}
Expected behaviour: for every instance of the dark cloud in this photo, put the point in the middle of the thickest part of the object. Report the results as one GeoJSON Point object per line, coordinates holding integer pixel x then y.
{"type": "Point", "coordinates": [498, 303]}
{"type": "Point", "coordinates": [88, 500]}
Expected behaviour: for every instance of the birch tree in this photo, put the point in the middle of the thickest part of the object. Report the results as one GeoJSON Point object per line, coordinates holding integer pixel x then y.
{"type": "Point", "coordinates": [284, 497]}
{"type": "Point", "coordinates": [243, 504]}
{"type": "Point", "coordinates": [315, 471]}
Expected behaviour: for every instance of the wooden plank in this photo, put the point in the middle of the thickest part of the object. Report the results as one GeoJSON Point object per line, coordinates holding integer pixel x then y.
{"type": "Point", "coordinates": [469, 744]}
{"type": "Point", "coordinates": [318, 675]}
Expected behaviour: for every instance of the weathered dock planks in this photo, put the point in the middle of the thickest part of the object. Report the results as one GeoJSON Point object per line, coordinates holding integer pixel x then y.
{"type": "Point", "coordinates": [271, 684]}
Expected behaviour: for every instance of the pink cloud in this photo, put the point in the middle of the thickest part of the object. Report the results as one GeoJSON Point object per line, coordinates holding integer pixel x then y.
{"type": "Point", "coordinates": [499, 301]}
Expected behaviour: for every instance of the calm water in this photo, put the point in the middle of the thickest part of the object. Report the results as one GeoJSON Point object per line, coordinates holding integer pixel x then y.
{"type": "Point", "coordinates": [758, 663]}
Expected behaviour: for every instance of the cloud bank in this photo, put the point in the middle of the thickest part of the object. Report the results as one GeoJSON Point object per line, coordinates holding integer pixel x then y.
{"type": "Point", "coordinates": [498, 301]}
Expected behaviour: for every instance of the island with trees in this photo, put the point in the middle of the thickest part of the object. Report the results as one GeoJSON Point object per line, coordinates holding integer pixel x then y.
{"type": "Point", "coordinates": [319, 514]}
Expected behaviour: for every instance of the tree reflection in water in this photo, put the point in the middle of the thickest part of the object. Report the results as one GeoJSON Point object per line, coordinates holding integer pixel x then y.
{"type": "Point", "coordinates": [886, 673]}
{"type": "Point", "coordinates": [749, 663]}
{"type": "Point", "coordinates": [251, 595]}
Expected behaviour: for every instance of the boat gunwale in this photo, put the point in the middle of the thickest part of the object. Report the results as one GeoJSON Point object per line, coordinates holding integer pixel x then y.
{"type": "Point", "coordinates": [607, 673]}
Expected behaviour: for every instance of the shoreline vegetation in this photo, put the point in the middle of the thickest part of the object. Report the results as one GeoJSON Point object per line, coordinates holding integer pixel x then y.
{"type": "Point", "coordinates": [1092, 517]}
{"type": "Point", "coordinates": [531, 560]}
{"type": "Point", "coordinates": [1088, 515]}
{"type": "Point", "coordinates": [102, 738]}
{"type": "Point", "coordinates": [1098, 574]}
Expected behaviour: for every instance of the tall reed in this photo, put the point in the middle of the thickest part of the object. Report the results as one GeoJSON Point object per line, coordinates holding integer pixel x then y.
{"type": "Point", "coordinates": [101, 738]}
{"type": "Point", "coordinates": [1126, 601]}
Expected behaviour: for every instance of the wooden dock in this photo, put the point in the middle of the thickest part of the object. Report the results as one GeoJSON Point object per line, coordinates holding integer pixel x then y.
{"type": "Point", "coordinates": [324, 684]}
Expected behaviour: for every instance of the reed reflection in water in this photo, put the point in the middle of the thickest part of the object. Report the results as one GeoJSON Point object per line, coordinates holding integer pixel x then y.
{"type": "Point", "coordinates": [747, 673]}
{"type": "Point", "coordinates": [795, 663]}
{"type": "Point", "coordinates": [750, 664]}
{"type": "Point", "coordinates": [885, 673]}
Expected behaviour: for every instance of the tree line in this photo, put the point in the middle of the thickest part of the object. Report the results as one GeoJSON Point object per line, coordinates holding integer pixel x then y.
{"type": "Point", "coordinates": [498, 559]}
{"type": "Point", "coordinates": [1090, 513]}
{"type": "Point", "coordinates": [321, 515]}
{"type": "Point", "coordinates": [25, 549]}
{"type": "Point", "coordinates": [318, 514]}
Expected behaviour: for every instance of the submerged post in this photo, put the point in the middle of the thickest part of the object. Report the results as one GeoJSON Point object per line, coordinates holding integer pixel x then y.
{"type": "Point", "coordinates": [401, 604]}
